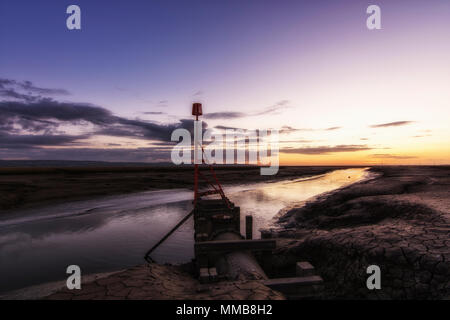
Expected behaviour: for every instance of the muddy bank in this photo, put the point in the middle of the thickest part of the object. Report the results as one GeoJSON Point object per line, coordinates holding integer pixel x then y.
{"type": "Point", "coordinates": [399, 221]}
{"type": "Point", "coordinates": [39, 186]}
{"type": "Point", "coordinates": [157, 282]}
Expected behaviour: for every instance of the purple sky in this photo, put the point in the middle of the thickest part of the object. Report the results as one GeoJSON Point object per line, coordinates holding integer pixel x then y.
{"type": "Point", "coordinates": [128, 77]}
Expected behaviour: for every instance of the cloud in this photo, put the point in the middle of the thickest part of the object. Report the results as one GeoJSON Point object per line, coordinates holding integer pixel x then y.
{"type": "Point", "coordinates": [162, 104]}
{"type": "Point", "coordinates": [274, 109]}
{"type": "Point", "coordinates": [391, 124]}
{"type": "Point", "coordinates": [30, 123]}
{"type": "Point", "coordinates": [298, 141]}
{"type": "Point", "coordinates": [166, 144]}
{"type": "Point", "coordinates": [390, 156]}
{"type": "Point", "coordinates": [289, 129]}
{"type": "Point", "coordinates": [225, 115]}
{"type": "Point", "coordinates": [46, 109]}
{"type": "Point", "coordinates": [26, 90]}
{"type": "Point", "coordinates": [227, 128]}
{"type": "Point", "coordinates": [283, 130]}
{"type": "Point", "coordinates": [154, 112]}
{"type": "Point", "coordinates": [89, 154]}
{"type": "Point", "coordinates": [326, 149]}
{"type": "Point", "coordinates": [47, 115]}
{"type": "Point", "coordinates": [20, 141]}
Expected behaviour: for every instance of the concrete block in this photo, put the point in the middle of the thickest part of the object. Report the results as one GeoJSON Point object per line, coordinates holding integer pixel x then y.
{"type": "Point", "coordinates": [304, 269]}
{"type": "Point", "coordinates": [213, 276]}
{"type": "Point", "coordinates": [204, 275]}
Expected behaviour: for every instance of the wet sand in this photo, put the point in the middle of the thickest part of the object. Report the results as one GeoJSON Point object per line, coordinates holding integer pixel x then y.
{"type": "Point", "coordinates": [399, 221]}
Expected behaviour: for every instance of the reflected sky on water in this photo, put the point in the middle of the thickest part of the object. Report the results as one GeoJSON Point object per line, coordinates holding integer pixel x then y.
{"type": "Point", "coordinates": [114, 232]}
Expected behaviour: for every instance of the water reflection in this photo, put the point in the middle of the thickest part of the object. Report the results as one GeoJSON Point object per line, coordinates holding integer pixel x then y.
{"type": "Point", "coordinates": [264, 201]}
{"type": "Point", "coordinates": [112, 233]}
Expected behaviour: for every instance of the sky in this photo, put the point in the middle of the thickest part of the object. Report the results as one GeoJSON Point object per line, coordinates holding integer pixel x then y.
{"type": "Point", "coordinates": [339, 93]}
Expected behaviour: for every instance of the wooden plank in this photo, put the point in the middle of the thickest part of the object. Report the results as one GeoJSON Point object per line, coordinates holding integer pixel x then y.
{"type": "Point", "coordinates": [235, 245]}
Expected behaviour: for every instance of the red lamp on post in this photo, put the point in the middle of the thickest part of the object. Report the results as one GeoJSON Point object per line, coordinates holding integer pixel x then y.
{"type": "Point", "coordinates": [197, 110]}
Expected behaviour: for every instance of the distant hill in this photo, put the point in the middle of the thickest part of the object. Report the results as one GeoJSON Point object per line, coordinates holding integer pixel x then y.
{"type": "Point", "coordinates": [69, 163]}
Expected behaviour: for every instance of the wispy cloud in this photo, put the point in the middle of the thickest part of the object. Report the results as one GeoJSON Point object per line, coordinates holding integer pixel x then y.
{"type": "Point", "coordinates": [391, 124]}
{"type": "Point", "coordinates": [227, 128]}
{"type": "Point", "coordinates": [298, 141]}
{"type": "Point", "coordinates": [149, 154]}
{"type": "Point", "coordinates": [390, 156]}
{"type": "Point", "coordinates": [326, 149]}
{"type": "Point", "coordinates": [23, 141]}
{"type": "Point", "coordinates": [289, 129]}
{"type": "Point", "coordinates": [26, 90]}
{"type": "Point", "coordinates": [225, 115]}
{"type": "Point", "coordinates": [154, 112]}
{"type": "Point", "coordinates": [423, 134]}
{"type": "Point", "coordinates": [273, 109]}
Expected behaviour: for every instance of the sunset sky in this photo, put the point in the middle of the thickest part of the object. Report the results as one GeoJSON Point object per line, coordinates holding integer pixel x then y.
{"type": "Point", "coordinates": [115, 90]}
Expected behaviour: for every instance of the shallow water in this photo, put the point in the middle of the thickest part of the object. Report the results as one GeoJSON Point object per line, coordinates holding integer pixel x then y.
{"type": "Point", "coordinates": [112, 233]}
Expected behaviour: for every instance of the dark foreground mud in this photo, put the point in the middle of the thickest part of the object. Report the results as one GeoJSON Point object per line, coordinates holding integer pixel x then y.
{"type": "Point", "coordinates": [399, 221]}
{"type": "Point", "coordinates": [156, 282]}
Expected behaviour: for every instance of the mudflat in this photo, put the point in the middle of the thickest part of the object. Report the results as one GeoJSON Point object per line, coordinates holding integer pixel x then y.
{"type": "Point", "coordinates": [400, 221]}
{"type": "Point", "coordinates": [36, 186]}
{"type": "Point", "coordinates": [164, 282]}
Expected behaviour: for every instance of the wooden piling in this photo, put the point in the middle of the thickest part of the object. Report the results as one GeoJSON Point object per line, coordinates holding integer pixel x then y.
{"type": "Point", "coordinates": [249, 227]}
